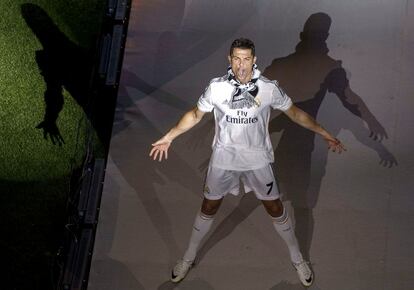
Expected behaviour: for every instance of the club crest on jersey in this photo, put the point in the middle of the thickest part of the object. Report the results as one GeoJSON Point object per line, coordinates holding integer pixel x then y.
{"type": "Point", "coordinates": [257, 102]}
{"type": "Point", "coordinates": [244, 100]}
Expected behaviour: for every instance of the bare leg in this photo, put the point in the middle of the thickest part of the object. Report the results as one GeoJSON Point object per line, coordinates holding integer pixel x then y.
{"type": "Point", "coordinates": [273, 207]}
{"type": "Point", "coordinates": [210, 207]}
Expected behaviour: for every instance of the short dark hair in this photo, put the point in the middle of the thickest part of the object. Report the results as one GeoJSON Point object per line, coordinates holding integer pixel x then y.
{"type": "Point", "coordinates": [242, 43]}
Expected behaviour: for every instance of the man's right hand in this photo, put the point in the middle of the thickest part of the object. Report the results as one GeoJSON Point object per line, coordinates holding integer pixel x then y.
{"type": "Point", "coordinates": [187, 121]}
{"type": "Point", "coordinates": [160, 149]}
{"type": "Point", "coordinates": [51, 129]}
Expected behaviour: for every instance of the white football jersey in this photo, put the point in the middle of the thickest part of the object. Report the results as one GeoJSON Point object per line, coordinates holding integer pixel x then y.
{"type": "Point", "coordinates": [242, 140]}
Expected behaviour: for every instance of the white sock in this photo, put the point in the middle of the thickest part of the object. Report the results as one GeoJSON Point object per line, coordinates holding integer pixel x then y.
{"type": "Point", "coordinates": [202, 225]}
{"type": "Point", "coordinates": [284, 227]}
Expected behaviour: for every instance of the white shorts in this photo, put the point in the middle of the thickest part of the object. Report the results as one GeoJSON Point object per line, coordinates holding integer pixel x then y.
{"type": "Point", "coordinates": [261, 181]}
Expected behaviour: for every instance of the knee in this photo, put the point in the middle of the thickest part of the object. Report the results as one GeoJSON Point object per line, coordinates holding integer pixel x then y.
{"type": "Point", "coordinates": [210, 207]}
{"type": "Point", "coordinates": [274, 207]}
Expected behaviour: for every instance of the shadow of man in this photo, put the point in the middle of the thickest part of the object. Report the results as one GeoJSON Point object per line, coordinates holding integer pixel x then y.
{"type": "Point", "coordinates": [63, 65]}
{"type": "Point", "coordinates": [308, 76]}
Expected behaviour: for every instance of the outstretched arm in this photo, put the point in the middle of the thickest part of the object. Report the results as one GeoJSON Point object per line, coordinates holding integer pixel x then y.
{"type": "Point", "coordinates": [187, 121]}
{"type": "Point", "coordinates": [305, 120]}
{"type": "Point", "coordinates": [351, 100]}
{"type": "Point", "coordinates": [337, 82]}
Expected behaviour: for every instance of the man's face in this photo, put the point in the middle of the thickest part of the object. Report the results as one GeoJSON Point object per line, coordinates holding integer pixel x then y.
{"type": "Point", "coordinates": [241, 62]}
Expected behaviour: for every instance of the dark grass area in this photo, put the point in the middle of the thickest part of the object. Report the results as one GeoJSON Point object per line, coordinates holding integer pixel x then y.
{"type": "Point", "coordinates": [47, 49]}
{"type": "Point", "coordinates": [33, 215]}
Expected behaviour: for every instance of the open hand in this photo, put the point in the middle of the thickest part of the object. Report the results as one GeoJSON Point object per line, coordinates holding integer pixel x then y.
{"type": "Point", "coordinates": [387, 159]}
{"type": "Point", "coordinates": [51, 130]}
{"type": "Point", "coordinates": [160, 149]}
{"type": "Point", "coordinates": [335, 145]}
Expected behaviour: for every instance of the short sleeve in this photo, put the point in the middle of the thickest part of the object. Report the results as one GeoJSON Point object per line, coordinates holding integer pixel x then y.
{"type": "Point", "coordinates": [205, 103]}
{"type": "Point", "coordinates": [280, 100]}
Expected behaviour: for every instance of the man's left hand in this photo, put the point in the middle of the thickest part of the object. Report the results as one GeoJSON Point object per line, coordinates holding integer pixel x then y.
{"type": "Point", "coordinates": [335, 145]}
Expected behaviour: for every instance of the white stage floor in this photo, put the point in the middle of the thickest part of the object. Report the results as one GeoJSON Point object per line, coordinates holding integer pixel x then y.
{"type": "Point", "coordinates": [353, 212]}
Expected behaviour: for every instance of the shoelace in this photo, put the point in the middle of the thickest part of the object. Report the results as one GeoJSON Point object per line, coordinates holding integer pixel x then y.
{"type": "Point", "coordinates": [302, 267]}
{"type": "Point", "coordinates": [181, 266]}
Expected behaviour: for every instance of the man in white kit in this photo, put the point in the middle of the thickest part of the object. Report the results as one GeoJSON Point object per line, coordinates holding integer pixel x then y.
{"type": "Point", "coordinates": [241, 102]}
